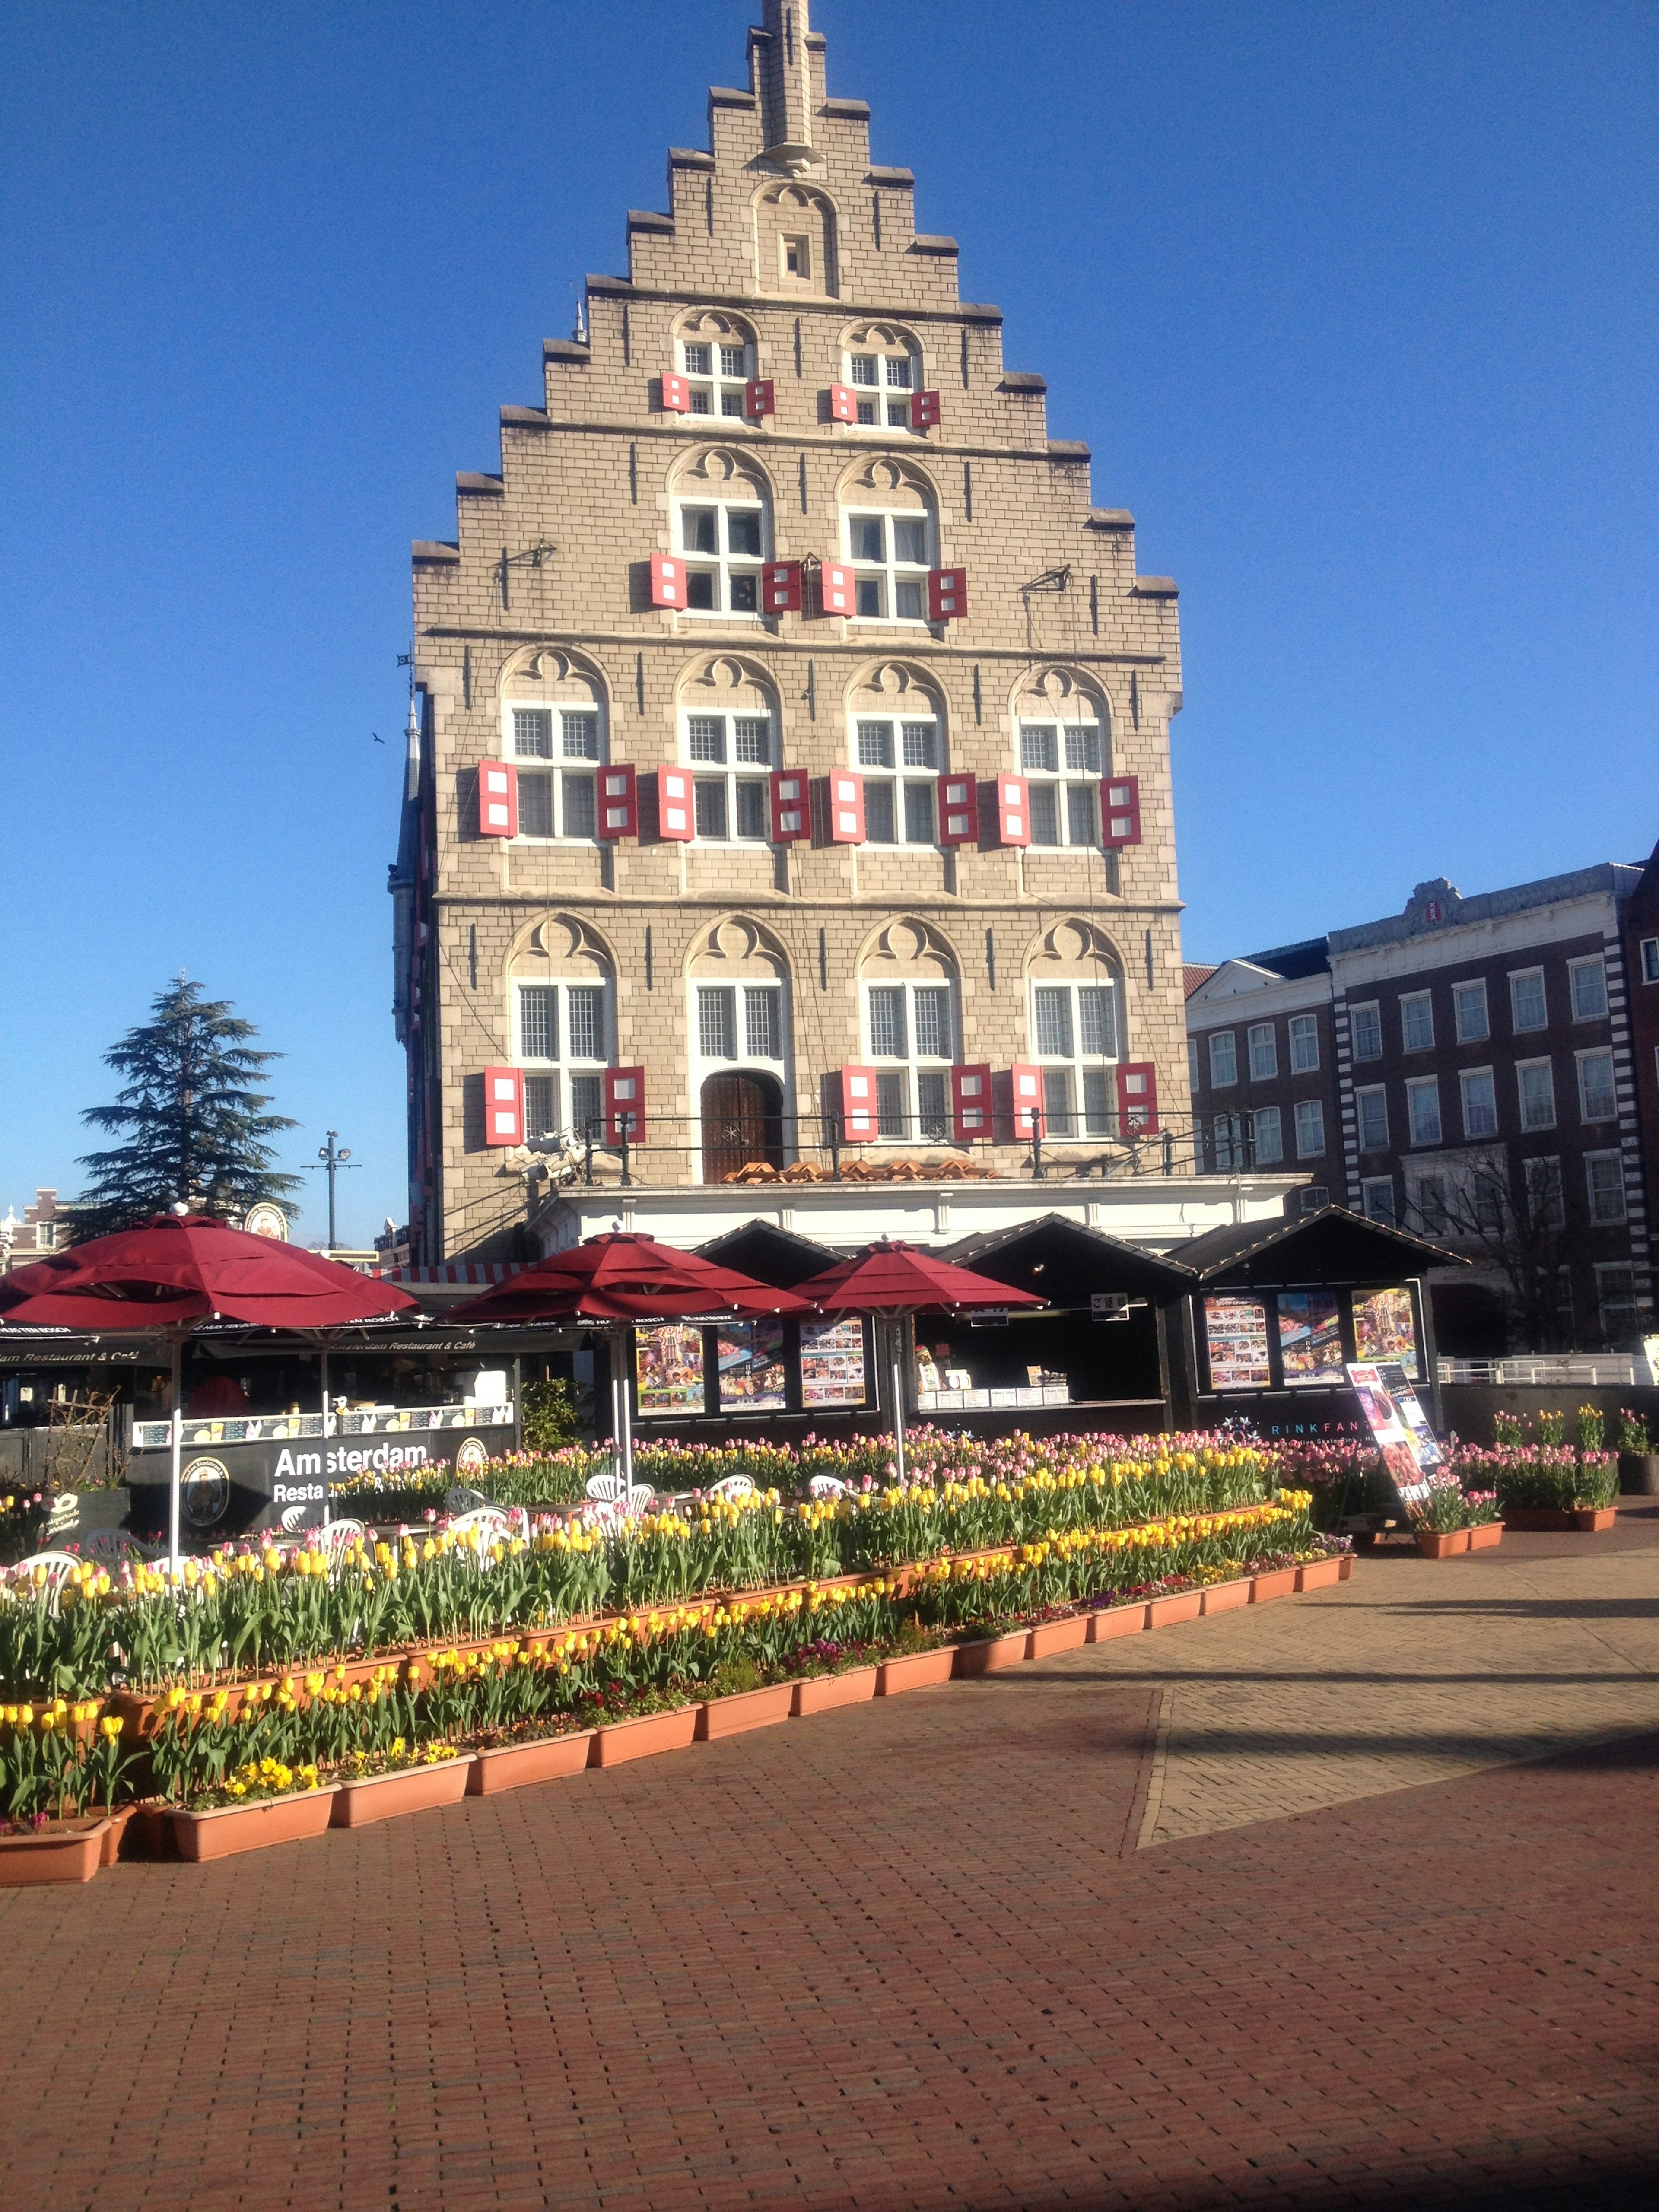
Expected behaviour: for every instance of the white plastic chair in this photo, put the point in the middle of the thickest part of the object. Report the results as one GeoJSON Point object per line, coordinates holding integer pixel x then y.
{"type": "Point", "coordinates": [338, 1536]}
{"type": "Point", "coordinates": [59, 1565]}
{"type": "Point", "coordinates": [114, 1547]}
{"type": "Point", "coordinates": [491, 1521]}
{"type": "Point", "coordinates": [607, 1489]}
{"type": "Point", "coordinates": [733, 1485]}
{"type": "Point", "coordinates": [460, 1500]}
{"type": "Point", "coordinates": [826, 1485]}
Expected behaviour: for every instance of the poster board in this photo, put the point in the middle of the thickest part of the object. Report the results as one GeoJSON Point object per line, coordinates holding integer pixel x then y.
{"type": "Point", "coordinates": [1385, 1330]}
{"type": "Point", "coordinates": [669, 1369]}
{"type": "Point", "coordinates": [1398, 1426]}
{"type": "Point", "coordinates": [1310, 1338]}
{"type": "Point", "coordinates": [832, 1369]}
{"type": "Point", "coordinates": [750, 1359]}
{"type": "Point", "coordinates": [1235, 1341]}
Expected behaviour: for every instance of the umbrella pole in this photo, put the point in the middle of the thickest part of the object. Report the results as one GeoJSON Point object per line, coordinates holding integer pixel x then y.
{"type": "Point", "coordinates": [322, 1355]}
{"type": "Point", "coordinates": [177, 1440]}
{"type": "Point", "coordinates": [625, 1423]}
{"type": "Point", "coordinates": [895, 1349]}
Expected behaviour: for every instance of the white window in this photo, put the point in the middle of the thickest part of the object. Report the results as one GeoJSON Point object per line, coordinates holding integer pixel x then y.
{"type": "Point", "coordinates": [1377, 1199]}
{"type": "Point", "coordinates": [1615, 1299]}
{"type": "Point", "coordinates": [1587, 980]}
{"type": "Point", "coordinates": [1480, 1103]}
{"type": "Point", "coordinates": [911, 1033]}
{"type": "Point", "coordinates": [563, 1045]}
{"type": "Point", "coordinates": [1269, 1136]}
{"type": "Point", "coordinates": [1191, 1064]}
{"type": "Point", "coordinates": [1365, 1026]}
{"type": "Point", "coordinates": [1650, 959]}
{"type": "Point", "coordinates": [1535, 1082]}
{"type": "Point", "coordinates": [1427, 1196]}
{"type": "Point", "coordinates": [717, 372]}
{"type": "Point", "coordinates": [1543, 1184]}
{"type": "Point", "coordinates": [883, 379]}
{"type": "Point", "coordinates": [1315, 1196]}
{"type": "Point", "coordinates": [1305, 1044]}
{"type": "Point", "coordinates": [1596, 1100]}
{"type": "Point", "coordinates": [1223, 1059]}
{"type": "Point", "coordinates": [1074, 1035]}
{"type": "Point", "coordinates": [739, 1021]}
{"type": "Point", "coordinates": [1310, 1128]}
{"type": "Point", "coordinates": [1052, 755]}
{"type": "Point", "coordinates": [1470, 1011]}
{"type": "Point", "coordinates": [901, 808]}
{"type": "Point", "coordinates": [1423, 1110]}
{"type": "Point", "coordinates": [1417, 1022]}
{"type": "Point", "coordinates": [1227, 1141]}
{"type": "Point", "coordinates": [723, 541]}
{"type": "Point", "coordinates": [891, 554]}
{"type": "Point", "coordinates": [558, 800]}
{"type": "Point", "coordinates": [1604, 1181]}
{"type": "Point", "coordinates": [1527, 1008]}
{"type": "Point", "coordinates": [731, 790]}
{"type": "Point", "coordinates": [1264, 1053]}
{"type": "Point", "coordinates": [1372, 1108]}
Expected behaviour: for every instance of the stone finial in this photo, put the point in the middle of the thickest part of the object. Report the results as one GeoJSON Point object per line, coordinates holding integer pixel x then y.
{"type": "Point", "coordinates": [782, 78]}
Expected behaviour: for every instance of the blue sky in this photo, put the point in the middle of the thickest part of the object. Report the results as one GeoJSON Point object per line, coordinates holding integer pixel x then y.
{"type": "Point", "coordinates": [1355, 307]}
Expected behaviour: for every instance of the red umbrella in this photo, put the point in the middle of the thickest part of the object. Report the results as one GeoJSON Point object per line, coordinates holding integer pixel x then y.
{"type": "Point", "coordinates": [892, 1278]}
{"type": "Point", "coordinates": [179, 1269]}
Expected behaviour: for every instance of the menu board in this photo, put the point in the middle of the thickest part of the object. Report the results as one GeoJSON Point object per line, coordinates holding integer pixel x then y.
{"type": "Point", "coordinates": [832, 1363]}
{"type": "Point", "coordinates": [1384, 1329]}
{"type": "Point", "coordinates": [749, 1354]}
{"type": "Point", "coordinates": [669, 1369]}
{"type": "Point", "coordinates": [1398, 1438]}
{"type": "Point", "coordinates": [1310, 1337]}
{"type": "Point", "coordinates": [1236, 1337]}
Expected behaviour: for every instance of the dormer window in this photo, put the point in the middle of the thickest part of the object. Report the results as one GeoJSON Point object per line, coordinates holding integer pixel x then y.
{"type": "Point", "coordinates": [882, 384]}
{"type": "Point", "coordinates": [717, 372]}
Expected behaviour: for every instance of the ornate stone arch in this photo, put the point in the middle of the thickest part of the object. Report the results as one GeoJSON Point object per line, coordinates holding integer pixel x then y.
{"type": "Point", "coordinates": [909, 949]}
{"type": "Point", "coordinates": [1056, 692]}
{"type": "Point", "coordinates": [720, 472]}
{"type": "Point", "coordinates": [880, 335]}
{"type": "Point", "coordinates": [738, 949]}
{"type": "Point", "coordinates": [893, 688]}
{"type": "Point", "coordinates": [787, 210]}
{"type": "Point", "coordinates": [540, 676]}
{"type": "Point", "coordinates": [887, 480]}
{"type": "Point", "coordinates": [727, 684]}
{"type": "Point", "coordinates": [562, 948]}
{"type": "Point", "coordinates": [714, 327]}
{"type": "Point", "coordinates": [1072, 948]}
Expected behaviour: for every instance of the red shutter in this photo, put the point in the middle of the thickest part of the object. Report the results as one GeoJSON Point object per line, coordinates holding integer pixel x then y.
{"type": "Point", "coordinates": [924, 411]}
{"type": "Point", "coordinates": [780, 588]}
{"type": "Point", "coordinates": [845, 790]}
{"type": "Point", "coordinates": [947, 594]}
{"type": "Point", "coordinates": [1013, 811]}
{"type": "Point", "coordinates": [677, 820]}
{"type": "Point", "coordinates": [958, 811]}
{"type": "Point", "coordinates": [676, 394]}
{"type": "Point", "coordinates": [758, 398]}
{"type": "Point", "coordinates": [1027, 1082]}
{"type": "Point", "coordinates": [857, 1104]}
{"type": "Point", "coordinates": [1120, 810]}
{"type": "Point", "coordinates": [970, 1103]}
{"type": "Point", "coordinates": [668, 581]}
{"type": "Point", "coordinates": [503, 1106]}
{"type": "Point", "coordinates": [835, 593]}
{"type": "Point", "coordinates": [498, 800]}
{"type": "Point", "coordinates": [792, 818]}
{"type": "Point", "coordinates": [619, 803]}
{"type": "Point", "coordinates": [843, 403]}
{"type": "Point", "coordinates": [624, 1094]}
{"type": "Point", "coordinates": [1137, 1097]}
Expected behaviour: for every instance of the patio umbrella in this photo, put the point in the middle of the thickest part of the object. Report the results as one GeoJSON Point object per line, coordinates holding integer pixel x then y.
{"type": "Point", "coordinates": [891, 1279]}
{"type": "Point", "coordinates": [177, 1270]}
{"type": "Point", "coordinates": [621, 1278]}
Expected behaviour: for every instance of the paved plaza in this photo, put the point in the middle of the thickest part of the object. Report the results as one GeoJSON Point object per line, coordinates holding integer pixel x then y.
{"type": "Point", "coordinates": [1346, 1901]}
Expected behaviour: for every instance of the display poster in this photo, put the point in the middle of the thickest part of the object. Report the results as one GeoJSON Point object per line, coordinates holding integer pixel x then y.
{"type": "Point", "coordinates": [832, 1363]}
{"type": "Point", "coordinates": [1392, 1434]}
{"type": "Point", "coordinates": [751, 1367]}
{"type": "Point", "coordinates": [1310, 1337]}
{"type": "Point", "coordinates": [1385, 1329]}
{"type": "Point", "coordinates": [1409, 1408]}
{"type": "Point", "coordinates": [1236, 1337]}
{"type": "Point", "coordinates": [669, 1369]}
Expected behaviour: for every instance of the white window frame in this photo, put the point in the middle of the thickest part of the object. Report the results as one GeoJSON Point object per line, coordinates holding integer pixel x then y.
{"type": "Point", "coordinates": [1614, 1187]}
{"type": "Point", "coordinates": [1312, 1196]}
{"type": "Point", "coordinates": [1192, 1066]}
{"type": "Point", "coordinates": [1270, 1119]}
{"type": "Point", "coordinates": [890, 392]}
{"type": "Point", "coordinates": [925, 1106]}
{"type": "Point", "coordinates": [1229, 1081]}
{"type": "Point", "coordinates": [727, 770]}
{"type": "Point", "coordinates": [1467, 1076]}
{"type": "Point", "coordinates": [1313, 1109]}
{"type": "Point", "coordinates": [1419, 1089]}
{"type": "Point", "coordinates": [1518, 976]}
{"type": "Point", "coordinates": [1431, 1216]}
{"type": "Point", "coordinates": [1368, 1190]}
{"type": "Point", "coordinates": [1264, 1066]}
{"type": "Point", "coordinates": [1079, 1087]}
{"type": "Point", "coordinates": [1628, 1307]}
{"type": "Point", "coordinates": [564, 1067]}
{"type": "Point", "coordinates": [1465, 992]}
{"type": "Point", "coordinates": [890, 573]}
{"type": "Point", "coordinates": [1649, 951]}
{"type": "Point", "coordinates": [1595, 965]}
{"type": "Point", "coordinates": [905, 736]}
{"type": "Point", "coordinates": [1416, 1000]}
{"type": "Point", "coordinates": [1523, 1068]}
{"type": "Point", "coordinates": [1598, 1121]}
{"type": "Point", "coordinates": [559, 763]}
{"type": "Point", "coordinates": [741, 1007]}
{"type": "Point", "coordinates": [1541, 1179]}
{"type": "Point", "coordinates": [724, 565]}
{"type": "Point", "coordinates": [1302, 1031]}
{"type": "Point", "coordinates": [1371, 1095]}
{"type": "Point", "coordinates": [1078, 753]}
{"type": "Point", "coordinates": [1373, 1008]}
{"type": "Point", "coordinates": [722, 389]}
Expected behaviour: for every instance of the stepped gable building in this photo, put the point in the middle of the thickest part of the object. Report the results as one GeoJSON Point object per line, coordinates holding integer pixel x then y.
{"type": "Point", "coordinates": [788, 789]}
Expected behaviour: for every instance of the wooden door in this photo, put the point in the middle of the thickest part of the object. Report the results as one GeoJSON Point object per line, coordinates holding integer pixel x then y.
{"type": "Point", "coordinates": [742, 1121]}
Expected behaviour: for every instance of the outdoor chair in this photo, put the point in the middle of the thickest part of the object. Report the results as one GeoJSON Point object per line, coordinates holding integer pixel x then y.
{"type": "Point", "coordinates": [826, 1485]}
{"type": "Point", "coordinates": [338, 1536]}
{"type": "Point", "coordinates": [59, 1565]}
{"type": "Point", "coordinates": [491, 1521]}
{"type": "Point", "coordinates": [733, 1485]}
{"type": "Point", "coordinates": [114, 1547]}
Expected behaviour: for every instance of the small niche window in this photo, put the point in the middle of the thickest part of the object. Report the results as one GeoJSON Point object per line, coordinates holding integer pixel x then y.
{"type": "Point", "coordinates": [890, 555]}
{"type": "Point", "coordinates": [883, 381]}
{"type": "Point", "coordinates": [558, 800]}
{"type": "Point", "coordinates": [717, 370]}
{"type": "Point", "coordinates": [1074, 1035]}
{"type": "Point", "coordinates": [1052, 756]}
{"type": "Point", "coordinates": [731, 791]}
{"type": "Point", "coordinates": [724, 542]}
{"type": "Point", "coordinates": [562, 1046]}
{"type": "Point", "coordinates": [795, 257]}
{"type": "Point", "coordinates": [901, 808]}
{"type": "Point", "coordinates": [911, 1041]}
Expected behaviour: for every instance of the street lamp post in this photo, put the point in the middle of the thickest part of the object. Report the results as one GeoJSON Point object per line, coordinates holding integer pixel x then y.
{"type": "Point", "coordinates": [331, 1158]}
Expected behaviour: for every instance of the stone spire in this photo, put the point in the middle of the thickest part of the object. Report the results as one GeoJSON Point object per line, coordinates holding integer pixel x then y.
{"type": "Point", "coordinates": [781, 76]}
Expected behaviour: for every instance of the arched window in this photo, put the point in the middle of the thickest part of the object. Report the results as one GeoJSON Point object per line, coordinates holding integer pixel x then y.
{"type": "Point", "coordinates": [896, 738]}
{"type": "Point", "coordinates": [795, 240]}
{"type": "Point", "coordinates": [882, 366]}
{"type": "Point", "coordinates": [563, 1012]}
{"type": "Point", "coordinates": [715, 353]}
{"type": "Point", "coordinates": [739, 1035]}
{"type": "Point", "coordinates": [728, 726]}
{"type": "Point", "coordinates": [1076, 1017]}
{"type": "Point", "coordinates": [890, 534]}
{"type": "Point", "coordinates": [1061, 748]}
{"type": "Point", "coordinates": [908, 989]}
{"type": "Point", "coordinates": [722, 512]}
{"type": "Point", "coordinates": [554, 730]}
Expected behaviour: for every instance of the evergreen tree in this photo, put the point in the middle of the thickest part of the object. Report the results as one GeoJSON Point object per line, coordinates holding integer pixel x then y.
{"type": "Point", "coordinates": [193, 1121]}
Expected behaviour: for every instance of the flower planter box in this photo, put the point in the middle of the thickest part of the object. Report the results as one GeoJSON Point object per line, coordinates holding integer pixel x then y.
{"type": "Point", "coordinates": [1639, 1474]}
{"type": "Point", "coordinates": [641, 1738]}
{"type": "Point", "coordinates": [747, 1709]}
{"type": "Point", "coordinates": [1057, 1636]}
{"type": "Point", "coordinates": [411, 1789]}
{"type": "Point", "coordinates": [1225, 1597]}
{"type": "Point", "coordinates": [1584, 1520]}
{"type": "Point", "coordinates": [72, 1853]}
{"type": "Point", "coordinates": [1345, 1567]}
{"type": "Point", "coordinates": [513, 1765]}
{"type": "Point", "coordinates": [1280, 1582]}
{"type": "Point", "coordinates": [115, 1827]}
{"type": "Point", "coordinates": [253, 1826]}
{"type": "Point", "coordinates": [1108, 1621]}
{"type": "Point", "coordinates": [991, 1653]}
{"type": "Point", "coordinates": [1487, 1537]}
{"type": "Point", "coordinates": [822, 1694]}
{"type": "Point", "coordinates": [1180, 1605]}
{"type": "Point", "coordinates": [1319, 1574]}
{"type": "Point", "coordinates": [1442, 1543]}
{"type": "Point", "coordinates": [917, 1670]}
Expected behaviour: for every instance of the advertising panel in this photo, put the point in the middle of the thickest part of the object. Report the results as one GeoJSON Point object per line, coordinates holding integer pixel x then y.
{"type": "Point", "coordinates": [1310, 1337]}
{"type": "Point", "coordinates": [1385, 1329]}
{"type": "Point", "coordinates": [832, 1364]}
{"type": "Point", "coordinates": [669, 1369]}
{"type": "Point", "coordinates": [752, 1375]}
{"type": "Point", "coordinates": [1235, 1341]}
{"type": "Point", "coordinates": [1398, 1434]}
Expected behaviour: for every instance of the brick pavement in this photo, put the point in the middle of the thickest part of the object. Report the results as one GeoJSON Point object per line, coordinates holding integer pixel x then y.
{"type": "Point", "coordinates": [911, 1954]}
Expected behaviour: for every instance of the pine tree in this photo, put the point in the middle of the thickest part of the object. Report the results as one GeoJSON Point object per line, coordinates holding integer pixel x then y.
{"type": "Point", "coordinates": [194, 1123]}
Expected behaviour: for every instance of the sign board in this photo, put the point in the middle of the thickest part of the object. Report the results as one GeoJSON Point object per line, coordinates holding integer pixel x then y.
{"type": "Point", "coordinates": [1109, 1305]}
{"type": "Point", "coordinates": [267, 1219]}
{"type": "Point", "coordinates": [1399, 1427]}
{"type": "Point", "coordinates": [989, 1317]}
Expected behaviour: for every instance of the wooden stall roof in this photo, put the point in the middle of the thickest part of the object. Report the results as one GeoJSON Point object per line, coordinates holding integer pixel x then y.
{"type": "Point", "coordinates": [775, 1256]}
{"type": "Point", "coordinates": [1332, 1246]}
{"type": "Point", "coordinates": [1065, 1262]}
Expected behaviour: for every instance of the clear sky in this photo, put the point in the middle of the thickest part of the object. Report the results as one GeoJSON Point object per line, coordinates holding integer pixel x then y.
{"type": "Point", "coordinates": [1355, 307]}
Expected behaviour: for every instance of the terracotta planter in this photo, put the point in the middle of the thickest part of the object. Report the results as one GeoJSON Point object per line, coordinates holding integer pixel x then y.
{"type": "Point", "coordinates": [991, 1653]}
{"type": "Point", "coordinates": [115, 1827]}
{"type": "Point", "coordinates": [1540, 1520]}
{"type": "Point", "coordinates": [1319, 1573]}
{"type": "Point", "coordinates": [151, 1833]}
{"type": "Point", "coordinates": [1225, 1597]}
{"type": "Point", "coordinates": [748, 1709]}
{"type": "Point", "coordinates": [917, 1670]}
{"type": "Point", "coordinates": [1639, 1474]}
{"type": "Point", "coordinates": [1182, 1605]}
{"type": "Point", "coordinates": [1345, 1566]}
{"type": "Point", "coordinates": [1487, 1537]}
{"type": "Point", "coordinates": [1442, 1543]}
{"type": "Point", "coordinates": [822, 1694]}
{"type": "Point", "coordinates": [1281, 1582]}
{"type": "Point", "coordinates": [639, 1739]}
{"type": "Point", "coordinates": [512, 1765]}
{"type": "Point", "coordinates": [222, 1833]}
{"type": "Point", "coordinates": [1108, 1622]}
{"type": "Point", "coordinates": [411, 1789]}
{"type": "Point", "coordinates": [75, 1853]}
{"type": "Point", "coordinates": [1057, 1636]}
